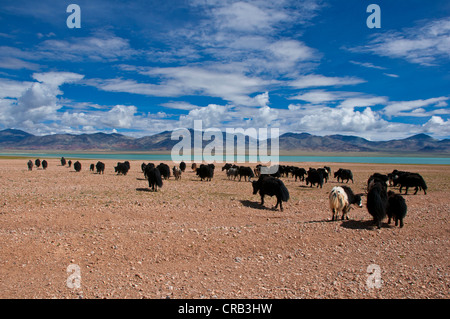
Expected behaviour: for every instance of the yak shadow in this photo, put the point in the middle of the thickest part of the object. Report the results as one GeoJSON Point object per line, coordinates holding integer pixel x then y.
{"type": "Point", "coordinates": [358, 224]}
{"type": "Point", "coordinates": [140, 189]}
{"type": "Point", "coordinates": [256, 205]}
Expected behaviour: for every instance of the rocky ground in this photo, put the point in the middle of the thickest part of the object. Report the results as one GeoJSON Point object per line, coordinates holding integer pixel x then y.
{"type": "Point", "coordinates": [196, 239]}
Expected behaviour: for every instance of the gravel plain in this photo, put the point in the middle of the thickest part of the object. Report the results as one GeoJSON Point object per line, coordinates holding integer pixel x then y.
{"type": "Point", "coordinates": [196, 239]}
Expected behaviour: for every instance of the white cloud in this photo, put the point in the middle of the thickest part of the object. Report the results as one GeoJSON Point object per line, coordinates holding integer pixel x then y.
{"type": "Point", "coordinates": [437, 126]}
{"type": "Point", "coordinates": [404, 108]}
{"type": "Point", "coordinates": [317, 80]}
{"type": "Point", "coordinates": [423, 45]}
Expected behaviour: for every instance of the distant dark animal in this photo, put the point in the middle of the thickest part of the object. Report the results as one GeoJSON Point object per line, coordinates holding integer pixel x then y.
{"type": "Point", "coordinates": [30, 165]}
{"type": "Point", "coordinates": [77, 166]}
{"type": "Point", "coordinates": [183, 166]}
{"type": "Point", "coordinates": [121, 168]}
{"type": "Point", "coordinates": [164, 169]}
{"type": "Point", "coordinates": [232, 172]}
{"type": "Point", "coordinates": [63, 161]}
{"type": "Point", "coordinates": [246, 172]}
{"type": "Point", "coordinates": [143, 165]}
{"type": "Point", "coordinates": [343, 174]}
{"type": "Point", "coordinates": [205, 172]}
{"type": "Point", "coordinates": [100, 166]}
{"type": "Point", "coordinates": [377, 201]}
{"type": "Point", "coordinates": [127, 164]}
{"type": "Point", "coordinates": [176, 172]}
{"type": "Point", "coordinates": [411, 180]}
{"type": "Point", "coordinates": [154, 178]}
{"type": "Point", "coordinates": [396, 208]}
{"type": "Point", "coordinates": [341, 198]}
{"type": "Point", "coordinates": [194, 167]}
{"type": "Point", "coordinates": [37, 163]}
{"type": "Point", "coordinates": [272, 186]}
{"type": "Point", "coordinates": [92, 167]}
{"type": "Point", "coordinates": [69, 163]}
{"type": "Point", "coordinates": [44, 164]}
{"type": "Point", "coordinates": [328, 170]}
{"type": "Point", "coordinates": [314, 177]}
{"type": "Point", "coordinates": [299, 173]}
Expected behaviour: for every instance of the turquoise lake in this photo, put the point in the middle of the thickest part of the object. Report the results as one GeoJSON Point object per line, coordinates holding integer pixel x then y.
{"type": "Point", "coordinates": [242, 159]}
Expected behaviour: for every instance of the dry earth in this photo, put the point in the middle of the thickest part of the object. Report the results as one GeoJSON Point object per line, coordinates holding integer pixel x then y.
{"type": "Point", "coordinates": [197, 239]}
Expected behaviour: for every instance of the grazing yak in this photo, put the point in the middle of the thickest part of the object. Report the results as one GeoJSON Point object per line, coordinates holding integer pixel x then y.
{"type": "Point", "coordinates": [92, 167]}
{"type": "Point", "coordinates": [30, 165]}
{"type": "Point", "coordinates": [377, 201]}
{"type": "Point", "coordinates": [100, 166]}
{"type": "Point", "coordinates": [272, 186]}
{"type": "Point", "coordinates": [77, 166]}
{"type": "Point", "coordinates": [44, 164]}
{"type": "Point", "coordinates": [343, 174]}
{"type": "Point", "coordinates": [63, 161]}
{"type": "Point", "coordinates": [246, 172]}
{"type": "Point", "coordinates": [206, 172]}
{"type": "Point", "coordinates": [226, 167]}
{"type": "Point", "coordinates": [314, 177]}
{"type": "Point", "coordinates": [176, 172]}
{"type": "Point", "coordinates": [381, 178]}
{"type": "Point", "coordinates": [121, 168]}
{"type": "Point", "coordinates": [183, 166]}
{"type": "Point", "coordinates": [396, 208]}
{"type": "Point", "coordinates": [37, 163]}
{"type": "Point", "coordinates": [154, 178]}
{"type": "Point", "coordinates": [69, 163]}
{"type": "Point", "coordinates": [341, 198]}
{"type": "Point", "coordinates": [411, 180]}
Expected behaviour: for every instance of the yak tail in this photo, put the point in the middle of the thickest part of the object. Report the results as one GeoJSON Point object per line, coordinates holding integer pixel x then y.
{"type": "Point", "coordinates": [284, 192]}
{"type": "Point", "coordinates": [159, 181]}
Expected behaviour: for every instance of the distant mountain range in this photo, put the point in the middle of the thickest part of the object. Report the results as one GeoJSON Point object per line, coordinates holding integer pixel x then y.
{"type": "Point", "coordinates": [289, 143]}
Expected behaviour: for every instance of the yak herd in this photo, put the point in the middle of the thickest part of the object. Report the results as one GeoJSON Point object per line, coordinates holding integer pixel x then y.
{"type": "Point", "coordinates": [381, 202]}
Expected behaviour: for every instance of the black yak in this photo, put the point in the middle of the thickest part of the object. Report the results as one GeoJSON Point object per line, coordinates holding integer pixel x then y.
{"type": "Point", "coordinates": [182, 166]}
{"type": "Point", "coordinates": [121, 168]}
{"type": "Point", "coordinates": [69, 163]}
{"type": "Point", "coordinates": [299, 172]}
{"type": "Point", "coordinates": [205, 172]}
{"type": "Point", "coordinates": [44, 164]}
{"type": "Point", "coordinates": [77, 166]}
{"type": "Point", "coordinates": [377, 201]}
{"type": "Point", "coordinates": [154, 178]}
{"type": "Point", "coordinates": [164, 169]}
{"type": "Point", "coordinates": [63, 161]}
{"type": "Point", "coordinates": [246, 172]}
{"type": "Point", "coordinates": [30, 165]}
{"type": "Point", "coordinates": [341, 198]}
{"type": "Point", "coordinates": [396, 208]}
{"type": "Point", "coordinates": [92, 167]}
{"type": "Point", "coordinates": [314, 177]}
{"type": "Point", "coordinates": [343, 174]}
{"type": "Point", "coordinates": [411, 180]}
{"type": "Point", "coordinates": [100, 166]}
{"type": "Point", "coordinates": [37, 163]}
{"type": "Point", "coordinates": [268, 185]}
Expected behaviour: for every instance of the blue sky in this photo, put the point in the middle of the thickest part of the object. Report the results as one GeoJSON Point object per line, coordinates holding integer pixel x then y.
{"type": "Point", "coordinates": [144, 67]}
